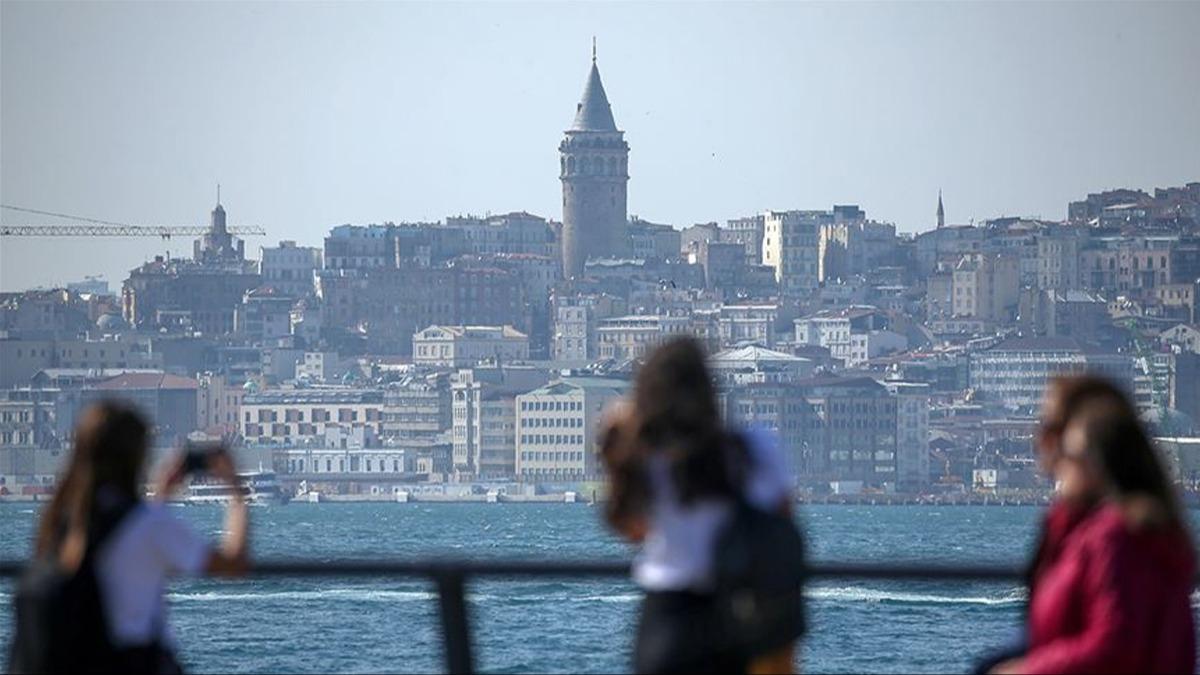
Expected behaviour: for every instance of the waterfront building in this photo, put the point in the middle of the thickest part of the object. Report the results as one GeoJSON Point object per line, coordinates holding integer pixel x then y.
{"type": "Point", "coordinates": [417, 407]}
{"type": "Point", "coordinates": [556, 429]}
{"type": "Point", "coordinates": [483, 418]}
{"type": "Point", "coordinates": [292, 416]}
{"type": "Point", "coordinates": [912, 434]}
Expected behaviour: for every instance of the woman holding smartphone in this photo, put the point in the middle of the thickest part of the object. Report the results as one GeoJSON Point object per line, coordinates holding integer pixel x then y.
{"type": "Point", "coordinates": [99, 520]}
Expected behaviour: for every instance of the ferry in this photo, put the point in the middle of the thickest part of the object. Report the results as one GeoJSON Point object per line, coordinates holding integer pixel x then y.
{"type": "Point", "coordinates": [258, 488]}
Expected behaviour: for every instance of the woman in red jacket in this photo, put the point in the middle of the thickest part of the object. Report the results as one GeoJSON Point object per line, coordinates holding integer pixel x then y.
{"type": "Point", "coordinates": [1111, 582]}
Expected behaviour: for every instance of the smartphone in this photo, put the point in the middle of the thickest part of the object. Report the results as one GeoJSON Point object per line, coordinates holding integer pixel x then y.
{"type": "Point", "coordinates": [197, 456]}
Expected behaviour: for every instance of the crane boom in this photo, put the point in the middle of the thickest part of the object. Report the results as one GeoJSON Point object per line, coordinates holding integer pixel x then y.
{"type": "Point", "coordinates": [91, 230]}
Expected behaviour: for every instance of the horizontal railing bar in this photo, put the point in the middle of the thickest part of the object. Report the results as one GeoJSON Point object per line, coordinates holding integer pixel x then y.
{"type": "Point", "coordinates": [434, 569]}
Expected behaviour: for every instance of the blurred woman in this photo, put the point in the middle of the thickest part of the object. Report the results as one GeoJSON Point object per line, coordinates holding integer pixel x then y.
{"type": "Point", "coordinates": [98, 517]}
{"type": "Point", "coordinates": [1111, 581]}
{"type": "Point", "coordinates": [676, 478]}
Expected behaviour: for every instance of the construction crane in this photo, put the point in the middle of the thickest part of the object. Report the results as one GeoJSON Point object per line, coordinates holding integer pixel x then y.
{"type": "Point", "coordinates": [92, 227]}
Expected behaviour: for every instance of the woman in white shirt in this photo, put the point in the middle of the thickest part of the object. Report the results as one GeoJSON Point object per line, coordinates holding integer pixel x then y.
{"type": "Point", "coordinates": [676, 475]}
{"type": "Point", "coordinates": [137, 545]}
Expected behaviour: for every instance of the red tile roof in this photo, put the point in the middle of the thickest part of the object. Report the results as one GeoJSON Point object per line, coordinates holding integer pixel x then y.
{"type": "Point", "coordinates": [148, 381]}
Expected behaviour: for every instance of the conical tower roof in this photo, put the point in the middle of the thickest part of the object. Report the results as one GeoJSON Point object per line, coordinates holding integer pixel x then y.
{"type": "Point", "coordinates": [593, 112]}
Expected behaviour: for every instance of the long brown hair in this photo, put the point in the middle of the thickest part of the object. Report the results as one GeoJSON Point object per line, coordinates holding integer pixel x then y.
{"type": "Point", "coordinates": [110, 449]}
{"type": "Point", "coordinates": [675, 414]}
{"type": "Point", "coordinates": [1118, 443]}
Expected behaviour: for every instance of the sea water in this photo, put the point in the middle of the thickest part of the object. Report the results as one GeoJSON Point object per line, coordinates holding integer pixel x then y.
{"type": "Point", "coordinates": [565, 625]}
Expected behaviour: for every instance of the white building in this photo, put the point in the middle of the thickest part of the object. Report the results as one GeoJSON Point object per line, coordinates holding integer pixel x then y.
{"type": "Point", "coordinates": [321, 367]}
{"type": "Point", "coordinates": [464, 346]}
{"type": "Point", "coordinates": [631, 337]}
{"type": "Point", "coordinates": [299, 416]}
{"type": "Point", "coordinates": [290, 269]}
{"type": "Point", "coordinates": [986, 287]}
{"type": "Point", "coordinates": [483, 418]}
{"type": "Point", "coordinates": [912, 434]}
{"type": "Point", "coordinates": [574, 332]}
{"type": "Point", "coordinates": [342, 451]}
{"type": "Point", "coordinates": [745, 365]}
{"type": "Point", "coordinates": [1015, 371]}
{"type": "Point", "coordinates": [747, 323]}
{"type": "Point", "coordinates": [833, 329]}
{"type": "Point", "coordinates": [556, 429]}
{"type": "Point", "coordinates": [867, 345]}
{"type": "Point", "coordinates": [791, 245]}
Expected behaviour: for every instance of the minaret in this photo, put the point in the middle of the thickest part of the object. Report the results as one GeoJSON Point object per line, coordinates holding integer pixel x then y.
{"type": "Point", "coordinates": [941, 212]}
{"type": "Point", "coordinates": [594, 172]}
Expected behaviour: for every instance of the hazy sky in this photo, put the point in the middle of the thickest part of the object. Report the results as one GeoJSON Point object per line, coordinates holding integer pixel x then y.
{"type": "Point", "coordinates": [312, 115]}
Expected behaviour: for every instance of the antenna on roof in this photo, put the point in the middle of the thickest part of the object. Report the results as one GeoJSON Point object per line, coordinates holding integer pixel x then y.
{"type": "Point", "coordinates": [218, 194]}
{"type": "Point", "coordinates": [593, 49]}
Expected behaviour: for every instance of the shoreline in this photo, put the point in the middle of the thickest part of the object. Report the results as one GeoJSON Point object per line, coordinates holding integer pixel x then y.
{"type": "Point", "coordinates": [571, 499]}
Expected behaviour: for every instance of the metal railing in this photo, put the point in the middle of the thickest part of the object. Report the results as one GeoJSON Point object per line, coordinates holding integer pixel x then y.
{"type": "Point", "coordinates": [450, 578]}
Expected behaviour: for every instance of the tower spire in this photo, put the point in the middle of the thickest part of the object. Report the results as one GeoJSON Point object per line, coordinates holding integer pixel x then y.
{"type": "Point", "coordinates": [941, 211]}
{"type": "Point", "coordinates": [218, 194]}
{"type": "Point", "coordinates": [593, 49]}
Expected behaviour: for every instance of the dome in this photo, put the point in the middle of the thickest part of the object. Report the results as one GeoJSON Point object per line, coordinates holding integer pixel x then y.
{"type": "Point", "coordinates": [111, 322]}
{"type": "Point", "coordinates": [1167, 421]}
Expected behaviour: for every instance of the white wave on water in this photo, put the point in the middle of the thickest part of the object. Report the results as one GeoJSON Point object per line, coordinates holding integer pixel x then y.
{"type": "Point", "coordinates": [617, 597]}
{"type": "Point", "coordinates": [337, 594]}
{"type": "Point", "coordinates": [871, 595]}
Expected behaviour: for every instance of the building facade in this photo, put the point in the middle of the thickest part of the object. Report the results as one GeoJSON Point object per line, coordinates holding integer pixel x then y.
{"type": "Point", "coordinates": [556, 429]}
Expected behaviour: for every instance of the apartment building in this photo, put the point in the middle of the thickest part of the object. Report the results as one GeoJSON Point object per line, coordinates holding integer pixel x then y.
{"type": "Point", "coordinates": [464, 346]}
{"type": "Point", "coordinates": [293, 416]}
{"type": "Point", "coordinates": [556, 429]}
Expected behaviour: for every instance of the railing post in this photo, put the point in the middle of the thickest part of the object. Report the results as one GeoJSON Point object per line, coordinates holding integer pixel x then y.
{"type": "Point", "coordinates": [456, 633]}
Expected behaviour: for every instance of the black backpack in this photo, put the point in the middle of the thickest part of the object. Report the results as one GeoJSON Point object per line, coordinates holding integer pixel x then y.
{"type": "Point", "coordinates": [60, 623]}
{"type": "Point", "coordinates": [759, 570]}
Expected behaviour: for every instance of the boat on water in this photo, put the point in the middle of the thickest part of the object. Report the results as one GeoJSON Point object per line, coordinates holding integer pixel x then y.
{"type": "Point", "coordinates": [258, 488]}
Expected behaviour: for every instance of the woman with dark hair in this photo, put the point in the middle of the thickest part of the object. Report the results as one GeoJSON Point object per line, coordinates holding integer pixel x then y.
{"type": "Point", "coordinates": [99, 524]}
{"type": "Point", "coordinates": [677, 481]}
{"type": "Point", "coordinates": [1111, 580]}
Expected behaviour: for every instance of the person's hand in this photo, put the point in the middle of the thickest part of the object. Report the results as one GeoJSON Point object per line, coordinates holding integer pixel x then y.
{"type": "Point", "coordinates": [220, 466]}
{"type": "Point", "coordinates": [170, 476]}
{"type": "Point", "coordinates": [1009, 667]}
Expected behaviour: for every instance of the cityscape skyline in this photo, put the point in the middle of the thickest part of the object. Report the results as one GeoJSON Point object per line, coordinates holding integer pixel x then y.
{"type": "Point", "coordinates": [665, 108]}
